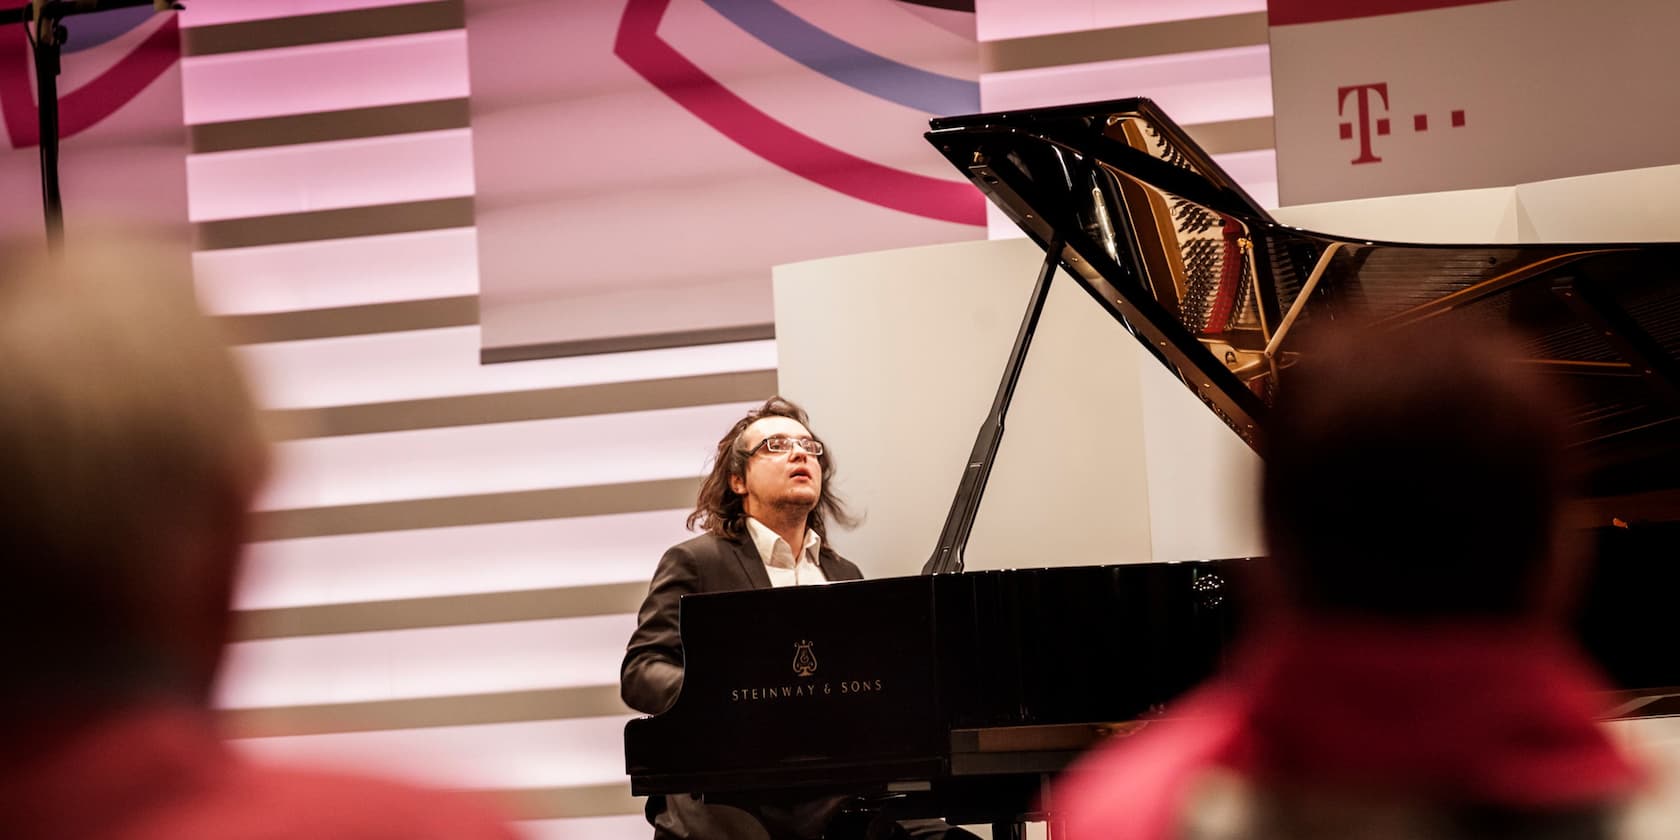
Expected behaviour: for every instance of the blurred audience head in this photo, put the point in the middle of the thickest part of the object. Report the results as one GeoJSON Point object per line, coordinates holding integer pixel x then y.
{"type": "Point", "coordinates": [129, 455]}
{"type": "Point", "coordinates": [1416, 475]}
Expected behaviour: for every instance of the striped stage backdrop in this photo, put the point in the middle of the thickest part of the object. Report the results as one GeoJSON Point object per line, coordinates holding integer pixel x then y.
{"type": "Point", "coordinates": [1411, 96]}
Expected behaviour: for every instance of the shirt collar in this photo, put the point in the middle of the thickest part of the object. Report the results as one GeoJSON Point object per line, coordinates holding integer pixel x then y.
{"type": "Point", "coordinates": [768, 542]}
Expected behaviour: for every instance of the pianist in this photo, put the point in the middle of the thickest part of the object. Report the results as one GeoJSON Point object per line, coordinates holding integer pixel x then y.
{"type": "Point", "coordinates": [765, 495]}
{"type": "Point", "coordinates": [767, 492]}
{"type": "Point", "coordinates": [764, 511]}
{"type": "Point", "coordinates": [1415, 680]}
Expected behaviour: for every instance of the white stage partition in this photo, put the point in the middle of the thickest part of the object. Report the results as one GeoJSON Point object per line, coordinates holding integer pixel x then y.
{"type": "Point", "coordinates": [1105, 458]}
{"type": "Point", "coordinates": [1635, 205]}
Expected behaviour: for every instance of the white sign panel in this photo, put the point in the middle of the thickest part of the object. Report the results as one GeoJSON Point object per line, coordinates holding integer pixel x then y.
{"type": "Point", "coordinates": [1410, 96]}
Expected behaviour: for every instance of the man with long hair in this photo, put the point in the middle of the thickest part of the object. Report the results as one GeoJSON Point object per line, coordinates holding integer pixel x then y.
{"type": "Point", "coordinates": [764, 511]}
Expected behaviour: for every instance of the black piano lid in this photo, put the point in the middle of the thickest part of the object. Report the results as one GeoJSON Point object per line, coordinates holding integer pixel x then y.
{"type": "Point", "coordinates": [1220, 292]}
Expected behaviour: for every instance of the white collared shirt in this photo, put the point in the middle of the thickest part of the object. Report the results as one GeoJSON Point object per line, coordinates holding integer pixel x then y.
{"type": "Point", "coordinates": [778, 557]}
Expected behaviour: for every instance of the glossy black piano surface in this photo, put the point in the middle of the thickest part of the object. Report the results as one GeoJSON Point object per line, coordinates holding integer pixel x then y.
{"type": "Point", "coordinates": [962, 690]}
{"type": "Point", "coordinates": [859, 685]}
{"type": "Point", "coordinates": [1221, 292]}
{"type": "Point", "coordinates": [965, 688]}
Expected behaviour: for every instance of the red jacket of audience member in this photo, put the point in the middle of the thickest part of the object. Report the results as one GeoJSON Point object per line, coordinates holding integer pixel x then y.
{"type": "Point", "coordinates": [161, 773]}
{"type": "Point", "coordinates": [1367, 722]}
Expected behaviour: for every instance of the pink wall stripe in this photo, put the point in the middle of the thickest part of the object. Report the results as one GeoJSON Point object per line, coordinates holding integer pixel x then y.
{"type": "Point", "coordinates": [427, 662]}
{"type": "Point", "coordinates": [1000, 19]}
{"type": "Point", "coordinates": [325, 77]}
{"type": "Point", "coordinates": [1199, 87]}
{"type": "Point", "coordinates": [321, 176]}
{"type": "Point", "coordinates": [213, 12]}
{"type": "Point", "coordinates": [557, 753]}
{"type": "Point", "coordinates": [546, 554]}
{"type": "Point", "coordinates": [496, 458]}
{"type": "Point", "coordinates": [444, 363]}
{"type": "Point", "coordinates": [338, 272]}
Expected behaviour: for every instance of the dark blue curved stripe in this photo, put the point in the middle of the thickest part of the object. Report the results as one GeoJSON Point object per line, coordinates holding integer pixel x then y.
{"type": "Point", "coordinates": [802, 41]}
{"type": "Point", "coordinates": [89, 31]}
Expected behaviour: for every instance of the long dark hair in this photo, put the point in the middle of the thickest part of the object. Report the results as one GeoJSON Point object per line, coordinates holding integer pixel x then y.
{"type": "Point", "coordinates": [721, 511]}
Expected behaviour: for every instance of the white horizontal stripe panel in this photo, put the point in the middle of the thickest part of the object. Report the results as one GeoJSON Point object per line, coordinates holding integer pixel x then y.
{"type": "Point", "coordinates": [324, 77]}
{"type": "Point", "coordinates": [556, 753]}
{"type": "Point", "coordinates": [999, 19]}
{"type": "Point", "coordinates": [214, 12]}
{"type": "Point", "coordinates": [626, 827]}
{"type": "Point", "coordinates": [579, 551]}
{"type": "Point", "coordinates": [444, 363]}
{"type": "Point", "coordinates": [338, 272]}
{"type": "Point", "coordinates": [427, 662]}
{"type": "Point", "coordinates": [1198, 87]}
{"type": "Point", "coordinates": [324, 176]}
{"type": "Point", "coordinates": [496, 457]}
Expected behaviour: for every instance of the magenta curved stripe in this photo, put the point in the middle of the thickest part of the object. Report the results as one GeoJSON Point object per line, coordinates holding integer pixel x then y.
{"type": "Point", "coordinates": [85, 106]}
{"type": "Point", "coordinates": [639, 45]}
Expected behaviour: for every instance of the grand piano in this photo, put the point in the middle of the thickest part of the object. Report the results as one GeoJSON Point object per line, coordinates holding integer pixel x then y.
{"type": "Point", "coordinates": [959, 693]}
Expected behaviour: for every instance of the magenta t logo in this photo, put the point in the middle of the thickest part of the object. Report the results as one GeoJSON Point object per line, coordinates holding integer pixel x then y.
{"type": "Point", "coordinates": [1362, 110]}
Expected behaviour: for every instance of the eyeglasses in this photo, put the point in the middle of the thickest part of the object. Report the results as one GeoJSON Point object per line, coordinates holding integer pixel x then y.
{"type": "Point", "coordinates": [780, 444]}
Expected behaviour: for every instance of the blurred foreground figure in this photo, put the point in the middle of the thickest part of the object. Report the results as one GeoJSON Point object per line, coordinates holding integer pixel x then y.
{"type": "Point", "coordinates": [129, 456]}
{"type": "Point", "coordinates": [1411, 677]}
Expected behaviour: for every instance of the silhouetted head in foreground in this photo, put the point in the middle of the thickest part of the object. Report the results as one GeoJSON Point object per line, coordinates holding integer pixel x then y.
{"type": "Point", "coordinates": [1416, 476]}
{"type": "Point", "coordinates": [129, 455]}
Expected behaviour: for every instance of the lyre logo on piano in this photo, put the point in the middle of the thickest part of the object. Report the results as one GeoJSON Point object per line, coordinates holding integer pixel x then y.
{"type": "Point", "coordinates": [804, 660]}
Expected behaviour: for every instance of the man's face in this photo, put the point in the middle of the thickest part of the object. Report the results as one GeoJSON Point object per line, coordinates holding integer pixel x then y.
{"type": "Point", "coordinates": [777, 480]}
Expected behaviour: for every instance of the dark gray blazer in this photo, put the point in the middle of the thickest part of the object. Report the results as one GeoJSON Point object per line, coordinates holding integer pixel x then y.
{"type": "Point", "coordinates": [651, 677]}
{"type": "Point", "coordinates": [651, 674]}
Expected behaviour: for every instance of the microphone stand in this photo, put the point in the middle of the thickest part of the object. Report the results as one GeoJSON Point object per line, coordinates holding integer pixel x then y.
{"type": "Point", "coordinates": [46, 44]}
